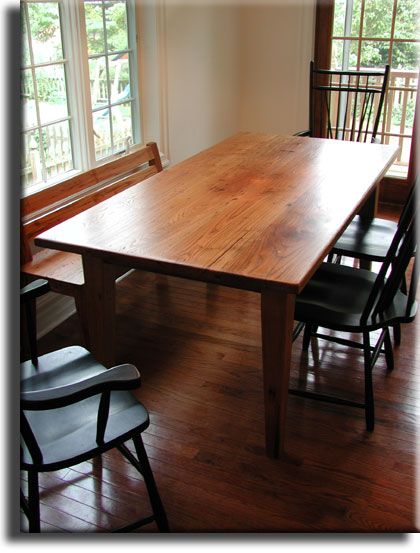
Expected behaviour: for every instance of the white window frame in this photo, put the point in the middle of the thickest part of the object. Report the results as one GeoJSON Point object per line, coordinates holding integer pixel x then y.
{"type": "Point", "coordinates": [79, 99]}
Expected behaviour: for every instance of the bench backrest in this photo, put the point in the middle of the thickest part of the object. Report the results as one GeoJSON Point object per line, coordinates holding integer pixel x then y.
{"type": "Point", "coordinates": [51, 206]}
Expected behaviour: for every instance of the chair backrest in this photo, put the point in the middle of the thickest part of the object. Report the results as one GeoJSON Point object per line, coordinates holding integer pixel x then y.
{"type": "Point", "coordinates": [391, 274]}
{"type": "Point", "coordinates": [53, 205]}
{"type": "Point", "coordinates": [346, 105]}
{"type": "Point", "coordinates": [412, 196]}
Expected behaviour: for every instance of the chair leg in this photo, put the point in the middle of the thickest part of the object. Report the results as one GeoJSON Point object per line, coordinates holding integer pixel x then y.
{"type": "Point", "coordinates": [30, 312]}
{"type": "Point", "coordinates": [306, 337]}
{"type": "Point", "coordinates": [369, 401]}
{"type": "Point", "coordinates": [33, 502]}
{"type": "Point", "coordinates": [397, 333]}
{"type": "Point", "coordinates": [389, 354]}
{"type": "Point", "coordinates": [83, 317]}
{"type": "Point", "coordinates": [24, 504]}
{"type": "Point", "coordinates": [156, 502]}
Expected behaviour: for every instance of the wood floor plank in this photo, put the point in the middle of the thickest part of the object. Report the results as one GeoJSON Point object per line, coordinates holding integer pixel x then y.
{"type": "Point", "coordinates": [197, 347]}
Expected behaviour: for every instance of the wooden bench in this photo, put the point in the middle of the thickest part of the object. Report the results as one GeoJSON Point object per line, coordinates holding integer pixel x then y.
{"type": "Point", "coordinates": [53, 205]}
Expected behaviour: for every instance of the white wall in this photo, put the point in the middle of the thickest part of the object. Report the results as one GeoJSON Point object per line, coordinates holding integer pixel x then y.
{"type": "Point", "coordinates": [276, 48]}
{"type": "Point", "coordinates": [234, 65]}
{"type": "Point", "coordinates": [202, 74]}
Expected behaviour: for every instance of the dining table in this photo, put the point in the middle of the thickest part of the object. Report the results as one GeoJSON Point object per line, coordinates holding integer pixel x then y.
{"type": "Point", "coordinates": [256, 211]}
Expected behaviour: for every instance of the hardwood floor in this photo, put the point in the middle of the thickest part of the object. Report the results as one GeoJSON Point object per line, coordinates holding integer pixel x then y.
{"type": "Point", "coordinates": [198, 349]}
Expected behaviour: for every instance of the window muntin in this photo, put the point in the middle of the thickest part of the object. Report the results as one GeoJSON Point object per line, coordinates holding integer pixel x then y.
{"type": "Point", "coordinates": [370, 34]}
{"type": "Point", "coordinates": [75, 64]}
{"type": "Point", "coordinates": [45, 112]}
{"type": "Point", "coordinates": [110, 70]}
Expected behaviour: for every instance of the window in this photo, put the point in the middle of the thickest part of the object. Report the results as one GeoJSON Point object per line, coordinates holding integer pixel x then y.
{"type": "Point", "coordinates": [370, 34]}
{"type": "Point", "coordinates": [79, 86]}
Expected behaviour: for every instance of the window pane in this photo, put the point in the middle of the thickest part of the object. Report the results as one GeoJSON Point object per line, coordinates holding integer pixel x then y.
{"type": "Point", "coordinates": [374, 54]}
{"type": "Point", "coordinates": [339, 15]}
{"type": "Point", "coordinates": [102, 133]}
{"type": "Point", "coordinates": [29, 118]}
{"type": "Point", "coordinates": [98, 82]}
{"type": "Point", "coordinates": [119, 77]}
{"type": "Point", "coordinates": [121, 126]}
{"type": "Point", "coordinates": [45, 32]}
{"type": "Point", "coordinates": [401, 164]}
{"type": "Point", "coordinates": [355, 21]}
{"type": "Point", "coordinates": [342, 27]}
{"type": "Point", "coordinates": [31, 162]}
{"type": "Point", "coordinates": [25, 47]}
{"type": "Point", "coordinates": [116, 26]}
{"type": "Point", "coordinates": [377, 22]}
{"type": "Point", "coordinates": [344, 54]}
{"type": "Point", "coordinates": [407, 22]}
{"type": "Point", "coordinates": [405, 55]}
{"type": "Point", "coordinates": [94, 27]}
{"type": "Point", "coordinates": [51, 93]}
{"type": "Point", "coordinates": [57, 149]}
{"type": "Point", "coordinates": [337, 54]}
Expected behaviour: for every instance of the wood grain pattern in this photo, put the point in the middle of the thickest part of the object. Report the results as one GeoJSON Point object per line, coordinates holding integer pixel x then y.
{"type": "Point", "coordinates": [198, 349]}
{"type": "Point", "coordinates": [256, 211]}
{"type": "Point", "coordinates": [253, 209]}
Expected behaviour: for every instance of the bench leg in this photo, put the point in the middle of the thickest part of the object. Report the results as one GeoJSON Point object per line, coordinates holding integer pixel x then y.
{"type": "Point", "coordinates": [81, 307]}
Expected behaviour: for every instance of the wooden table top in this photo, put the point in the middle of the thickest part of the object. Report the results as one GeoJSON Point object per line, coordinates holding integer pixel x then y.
{"type": "Point", "coordinates": [255, 211]}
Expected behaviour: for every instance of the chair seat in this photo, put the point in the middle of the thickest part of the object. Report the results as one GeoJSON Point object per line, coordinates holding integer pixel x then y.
{"type": "Point", "coordinates": [366, 239]}
{"type": "Point", "coordinates": [59, 368]}
{"type": "Point", "coordinates": [336, 296]}
{"type": "Point", "coordinates": [67, 435]}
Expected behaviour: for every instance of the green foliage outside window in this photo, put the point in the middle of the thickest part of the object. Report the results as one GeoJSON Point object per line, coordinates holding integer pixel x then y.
{"type": "Point", "coordinates": [377, 24]}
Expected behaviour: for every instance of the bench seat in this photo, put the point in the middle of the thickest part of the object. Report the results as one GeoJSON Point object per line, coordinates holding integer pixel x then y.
{"type": "Point", "coordinates": [51, 206]}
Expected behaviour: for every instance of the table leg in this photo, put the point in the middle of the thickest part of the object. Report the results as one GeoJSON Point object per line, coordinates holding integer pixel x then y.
{"type": "Point", "coordinates": [100, 307]}
{"type": "Point", "coordinates": [277, 316]}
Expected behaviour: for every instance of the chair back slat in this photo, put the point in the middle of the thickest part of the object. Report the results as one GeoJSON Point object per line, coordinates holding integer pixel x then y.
{"type": "Point", "coordinates": [346, 105]}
